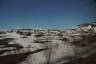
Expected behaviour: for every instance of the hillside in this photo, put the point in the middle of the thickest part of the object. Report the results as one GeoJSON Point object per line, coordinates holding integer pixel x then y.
{"type": "Point", "coordinates": [48, 46]}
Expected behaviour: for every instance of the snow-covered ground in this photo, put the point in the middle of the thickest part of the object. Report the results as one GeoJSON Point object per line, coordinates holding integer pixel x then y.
{"type": "Point", "coordinates": [50, 46]}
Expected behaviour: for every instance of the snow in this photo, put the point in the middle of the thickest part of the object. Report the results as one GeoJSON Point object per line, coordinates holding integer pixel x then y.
{"type": "Point", "coordinates": [57, 48]}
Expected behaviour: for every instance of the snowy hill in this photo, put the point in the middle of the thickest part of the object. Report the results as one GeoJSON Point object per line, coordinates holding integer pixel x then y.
{"type": "Point", "coordinates": [48, 46]}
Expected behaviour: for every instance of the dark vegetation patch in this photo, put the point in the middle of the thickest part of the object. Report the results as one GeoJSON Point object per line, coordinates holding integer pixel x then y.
{"type": "Point", "coordinates": [39, 35]}
{"type": "Point", "coordinates": [17, 58]}
{"type": "Point", "coordinates": [4, 43]}
{"type": "Point", "coordinates": [2, 32]}
{"type": "Point", "coordinates": [13, 58]}
{"type": "Point", "coordinates": [89, 60]}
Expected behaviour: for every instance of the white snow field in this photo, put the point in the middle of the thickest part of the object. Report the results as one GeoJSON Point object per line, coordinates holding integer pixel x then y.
{"type": "Point", "coordinates": [49, 46]}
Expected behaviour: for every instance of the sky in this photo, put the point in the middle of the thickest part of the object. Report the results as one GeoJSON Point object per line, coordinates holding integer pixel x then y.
{"type": "Point", "coordinates": [60, 14]}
